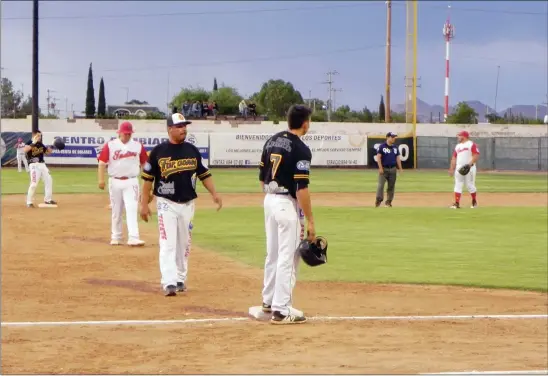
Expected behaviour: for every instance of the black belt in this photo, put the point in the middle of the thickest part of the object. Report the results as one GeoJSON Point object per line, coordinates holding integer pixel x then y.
{"type": "Point", "coordinates": [392, 166]}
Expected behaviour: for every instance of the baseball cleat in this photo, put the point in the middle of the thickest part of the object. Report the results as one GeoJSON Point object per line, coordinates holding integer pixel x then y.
{"type": "Point", "coordinates": [456, 205]}
{"type": "Point", "coordinates": [135, 243]}
{"type": "Point", "coordinates": [378, 203]}
{"type": "Point", "coordinates": [279, 319]}
{"type": "Point", "coordinates": [181, 287]}
{"type": "Point", "coordinates": [388, 204]}
{"type": "Point", "coordinates": [474, 204]}
{"type": "Point", "coordinates": [171, 290]}
{"type": "Point", "coordinates": [31, 206]}
{"type": "Point", "coordinates": [50, 202]}
{"type": "Point", "coordinates": [115, 242]}
{"type": "Point", "coordinates": [267, 308]}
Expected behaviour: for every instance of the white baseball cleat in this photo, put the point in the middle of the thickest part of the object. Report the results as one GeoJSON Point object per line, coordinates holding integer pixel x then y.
{"type": "Point", "coordinates": [115, 242]}
{"type": "Point", "coordinates": [136, 243]}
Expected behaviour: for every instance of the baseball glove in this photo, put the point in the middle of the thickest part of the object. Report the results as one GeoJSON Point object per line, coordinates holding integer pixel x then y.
{"type": "Point", "coordinates": [313, 254]}
{"type": "Point", "coordinates": [464, 169]}
{"type": "Point", "coordinates": [59, 144]}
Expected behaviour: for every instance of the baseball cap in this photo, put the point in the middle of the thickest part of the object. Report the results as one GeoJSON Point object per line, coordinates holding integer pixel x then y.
{"type": "Point", "coordinates": [463, 134]}
{"type": "Point", "coordinates": [177, 119]}
{"type": "Point", "coordinates": [125, 128]}
{"type": "Point", "coordinates": [391, 134]}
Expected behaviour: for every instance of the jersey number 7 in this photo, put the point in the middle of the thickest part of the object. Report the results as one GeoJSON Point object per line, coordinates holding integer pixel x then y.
{"type": "Point", "coordinates": [276, 159]}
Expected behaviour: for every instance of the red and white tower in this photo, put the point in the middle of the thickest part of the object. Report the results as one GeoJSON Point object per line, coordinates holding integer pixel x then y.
{"type": "Point", "coordinates": [448, 33]}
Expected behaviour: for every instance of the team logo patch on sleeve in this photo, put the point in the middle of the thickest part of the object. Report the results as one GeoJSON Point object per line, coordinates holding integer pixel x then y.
{"type": "Point", "coordinates": [147, 167]}
{"type": "Point", "coordinates": [303, 165]}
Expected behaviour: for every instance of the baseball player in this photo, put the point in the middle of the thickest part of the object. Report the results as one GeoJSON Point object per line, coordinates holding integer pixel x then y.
{"type": "Point", "coordinates": [284, 173]}
{"type": "Point", "coordinates": [388, 160]}
{"type": "Point", "coordinates": [464, 160]}
{"type": "Point", "coordinates": [21, 157]}
{"type": "Point", "coordinates": [171, 172]}
{"type": "Point", "coordinates": [35, 151]}
{"type": "Point", "coordinates": [124, 158]}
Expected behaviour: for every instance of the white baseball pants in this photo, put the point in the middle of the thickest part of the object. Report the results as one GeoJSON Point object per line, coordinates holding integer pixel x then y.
{"type": "Point", "coordinates": [39, 171]}
{"type": "Point", "coordinates": [124, 194]}
{"type": "Point", "coordinates": [22, 159]}
{"type": "Point", "coordinates": [175, 228]}
{"type": "Point", "coordinates": [469, 179]}
{"type": "Point", "coordinates": [284, 226]}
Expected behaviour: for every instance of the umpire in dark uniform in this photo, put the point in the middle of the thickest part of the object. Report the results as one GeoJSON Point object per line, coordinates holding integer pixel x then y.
{"type": "Point", "coordinates": [388, 160]}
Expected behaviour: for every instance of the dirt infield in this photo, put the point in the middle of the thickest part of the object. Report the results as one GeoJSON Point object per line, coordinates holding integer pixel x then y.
{"type": "Point", "coordinates": [70, 273]}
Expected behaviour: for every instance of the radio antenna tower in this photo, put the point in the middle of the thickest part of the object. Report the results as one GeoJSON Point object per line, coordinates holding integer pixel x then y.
{"type": "Point", "coordinates": [448, 33]}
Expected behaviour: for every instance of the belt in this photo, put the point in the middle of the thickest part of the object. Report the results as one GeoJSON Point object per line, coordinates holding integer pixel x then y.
{"type": "Point", "coordinates": [391, 166]}
{"type": "Point", "coordinates": [123, 177]}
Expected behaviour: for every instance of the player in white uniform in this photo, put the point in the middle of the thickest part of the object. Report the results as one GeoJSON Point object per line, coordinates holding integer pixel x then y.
{"type": "Point", "coordinates": [284, 175]}
{"type": "Point", "coordinates": [466, 152]}
{"type": "Point", "coordinates": [21, 157]}
{"type": "Point", "coordinates": [35, 151]}
{"type": "Point", "coordinates": [124, 158]}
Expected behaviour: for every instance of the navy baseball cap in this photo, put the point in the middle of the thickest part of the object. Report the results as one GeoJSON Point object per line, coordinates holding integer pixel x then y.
{"type": "Point", "coordinates": [177, 119]}
{"type": "Point", "coordinates": [391, 134]}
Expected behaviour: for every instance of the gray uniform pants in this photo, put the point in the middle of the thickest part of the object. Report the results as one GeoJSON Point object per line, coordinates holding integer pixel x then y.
{"type": "Point", "coordinates": [390, 175]}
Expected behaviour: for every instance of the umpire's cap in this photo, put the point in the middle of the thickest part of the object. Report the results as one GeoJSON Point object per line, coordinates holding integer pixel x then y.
{"type": "Point", "coordinates": [177, 119]}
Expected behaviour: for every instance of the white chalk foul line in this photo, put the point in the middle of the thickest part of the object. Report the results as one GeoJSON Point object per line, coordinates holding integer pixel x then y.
{"type": "Point", "coordinates": [233, 319]}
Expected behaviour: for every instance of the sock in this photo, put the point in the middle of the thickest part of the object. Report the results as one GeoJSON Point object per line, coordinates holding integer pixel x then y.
{"type": "Point", "coordinates": [473, 196]}
{"type": "Point", "coordinates": [457, 197]}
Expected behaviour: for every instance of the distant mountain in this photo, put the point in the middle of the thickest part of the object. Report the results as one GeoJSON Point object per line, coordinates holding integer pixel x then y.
{"type": "Point", "coordinates": [427, 112]}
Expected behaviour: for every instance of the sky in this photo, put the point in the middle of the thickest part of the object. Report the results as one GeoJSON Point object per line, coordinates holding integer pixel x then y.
{"type": "Point", "coordinates": [149, 50]}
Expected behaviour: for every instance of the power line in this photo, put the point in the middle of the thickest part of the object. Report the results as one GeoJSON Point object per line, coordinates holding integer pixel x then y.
{"type": "Point", "coordinates": [226, 62]}
{"type": "Point", "coordinates": [251, 11]}
{"type": "Point", "coordinates": [202, 13]}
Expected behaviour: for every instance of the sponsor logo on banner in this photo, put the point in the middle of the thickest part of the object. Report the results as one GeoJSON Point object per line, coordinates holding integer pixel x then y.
{"type": "Point", "coordinates": [84, 148]}
{"type": "Point", "coordinates": [245, 149]}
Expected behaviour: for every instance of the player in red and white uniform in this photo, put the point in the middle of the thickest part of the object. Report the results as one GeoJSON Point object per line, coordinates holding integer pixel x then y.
{"type": "Point", "coordinates": [21, 155]}
{"type": "Point", "coordinates": [124, 158]}
{"type": "Point", "coordinates": [466, 152]}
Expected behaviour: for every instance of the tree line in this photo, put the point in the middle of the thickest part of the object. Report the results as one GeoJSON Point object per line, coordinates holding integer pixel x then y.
{"type": "Point", "coordinates": [272, 101]}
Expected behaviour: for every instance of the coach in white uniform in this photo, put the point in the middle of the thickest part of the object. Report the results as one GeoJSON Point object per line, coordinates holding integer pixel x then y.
{"type": "Point", "coordinates": [124, 158]}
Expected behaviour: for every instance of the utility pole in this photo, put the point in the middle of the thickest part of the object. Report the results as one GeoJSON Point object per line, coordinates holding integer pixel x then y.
{"type": "Point", "coordinates": [127, 93]}
{"type": "Point", "coordinates": [329, 82]}
{"type": "Point", "coordinates": [35, 75]}
{"type": "Point", "coordinates": [497, 88]}
{"type": "Point", "coordinates": [335, 98]}
{"type": "Point", "coordinates": [388, 58]}
{"type": "Point", "coordinates": [309, 98]}
{"type": "Point", "coordinates": [49, 98]}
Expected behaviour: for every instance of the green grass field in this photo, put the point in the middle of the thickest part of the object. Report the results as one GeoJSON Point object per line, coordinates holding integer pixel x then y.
{"type": "Point", "coordinates": [488, 247]}
{"type": "Point", "coordinates": [84, 180]}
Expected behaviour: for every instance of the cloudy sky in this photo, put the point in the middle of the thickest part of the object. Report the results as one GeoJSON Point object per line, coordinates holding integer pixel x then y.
{"type": "Point", "coordinates": [151, 49]}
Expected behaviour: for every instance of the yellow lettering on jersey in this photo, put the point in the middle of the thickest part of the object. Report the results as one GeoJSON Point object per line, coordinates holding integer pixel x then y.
{"type": "Point", "coordinates": [168, 167]}
{"type": "Point", "coordinates": [36, 151]}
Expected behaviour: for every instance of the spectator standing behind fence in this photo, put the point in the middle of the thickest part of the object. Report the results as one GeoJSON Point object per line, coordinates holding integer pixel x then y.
{"type": "Point", "coordinates": [215, 108]}
{"type": "Point", "coordinates": [388, 159]}
{"type": "Point", "coordinates": [186, 109]}
{"type": "Point", "coordinates": [243, 108]}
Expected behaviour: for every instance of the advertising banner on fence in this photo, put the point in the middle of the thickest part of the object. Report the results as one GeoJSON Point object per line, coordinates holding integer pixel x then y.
{"type": "Point", "coordinates": [244, 149]}
{"type": "Point", "coordinates": [8, 152]}
{"type": "Point", "coordinates": [84, 148]}
{"type": "Point", "coordinates": [405, 147]}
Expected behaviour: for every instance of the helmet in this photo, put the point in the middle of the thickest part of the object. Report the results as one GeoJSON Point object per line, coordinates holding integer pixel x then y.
{"type": "Point", "coordinates": [313, 253]}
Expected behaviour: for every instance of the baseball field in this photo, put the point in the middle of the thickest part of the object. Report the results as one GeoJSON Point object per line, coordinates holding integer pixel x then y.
{"type": "Point", "coordinates": [416, 288]}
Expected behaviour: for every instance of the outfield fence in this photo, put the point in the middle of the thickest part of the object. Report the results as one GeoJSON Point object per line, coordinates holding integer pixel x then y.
{"type": "Point", "coordinates": [337, 149]}
{"type": "Point", "coordinates": [497, 153]}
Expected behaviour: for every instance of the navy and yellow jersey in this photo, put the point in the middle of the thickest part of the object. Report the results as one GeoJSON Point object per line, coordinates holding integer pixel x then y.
{"type": "Point", "coordinates": [174, 169]}
{"type": "Point", "coordinates": [37, 152]}
{"type": "Point", "coordinates": [285, 164]}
